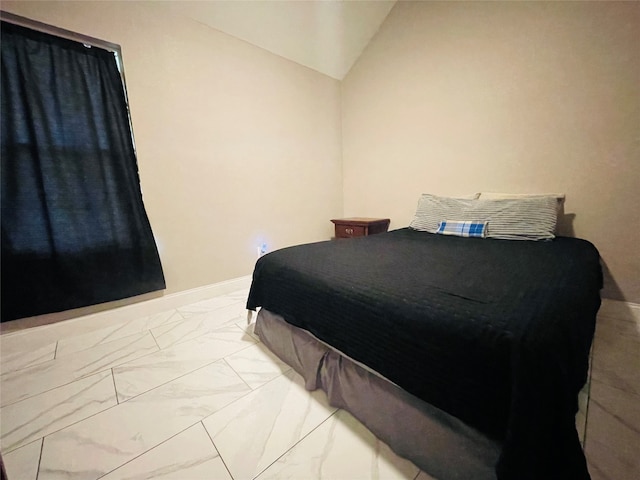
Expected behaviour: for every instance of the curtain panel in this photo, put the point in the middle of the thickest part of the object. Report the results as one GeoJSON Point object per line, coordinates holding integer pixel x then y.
{"type": "Point", "coordinates": [74, 227]}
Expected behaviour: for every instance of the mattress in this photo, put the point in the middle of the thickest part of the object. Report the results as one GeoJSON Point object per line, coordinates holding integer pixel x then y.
{"type": "Point", "coordinates": [494, 332]}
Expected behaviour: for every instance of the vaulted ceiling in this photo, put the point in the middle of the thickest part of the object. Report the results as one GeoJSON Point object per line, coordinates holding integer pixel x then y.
{"type": "Point", "coordinates": [327, 36]}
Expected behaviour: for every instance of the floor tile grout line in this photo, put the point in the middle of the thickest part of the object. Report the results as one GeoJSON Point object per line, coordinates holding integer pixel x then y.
{"type": "Point", "coordinates": [224, 359]}
{"type": "Point", "coordinates": [206, 300]}
{"type": "Point", "coordinates": [87, 375]}
{"type": "Point", "coordinates": [25, 333]}
{"type": "Point", "coordinates": [196, 316]}
{"type": "Point", "coordinates": [147, 451]}
{"type": "Point", "coordinates": [247, 393]}
{"type": "Point", "coordinates": [288, 369]}
{"type": "Point", "coordinates": [66, 357]}
{"type": "Point", "coordinates": [201, 420]}
{"type": "Point", "coordinates": [89, 333]}
{"type": "Point", "coordinates": [194, 338]}
{"type": "Point", "coordinates": [208, 332]}
{"type": "Point", "coordinates": [618, 418]}
{"type": "Point", "coordinates": [115, 389]}
{"type": "Point", "coordinates": [155, 340]}
{"type": "Point", "coordinates": [63, 357]}
{"type": "Point", "coordinates": [2, 374]}
{"type": "Point", "coordinates": [214, 446]}
{"type": "Point", "coordinates": [42, 439]}
{"type": "Point", "coordinates": [296, 443]}
{"type": "Point", "coordinates": [118, 404]}
{"type": "Point", "coordinates": [53, 388]}
{"type": "Point", "coordinates": [196, 313]}
{"type": "Point", "coordinates": [623, 389]}
{"type": "Point", "coordinates": [99, 344]}
{"type": "Point", "coordinates": [184, 374]}
{"type": "Point", "coordinates": [66, 426]}
{"type": "Point", "coordinates": [250, 334]}
{"type": "Point", "coordinates": [254, 342]}
{"type": "Point", "coordinates": [40, 457]}
{"type": "Point", "coordinates": [227, 324]}
{"type": "Point", "coordinates": [178, 433]}
{"type": "Point", "coordinates": [141, 336]}
{"type": "Point", "coordinates": [615, 317]}
{"type": "Point", "coordinates": [33, 364]}
{"type": "Point", "coordinates": [102, 340]}
{"type": "Point", "coordinates": [176, 310]}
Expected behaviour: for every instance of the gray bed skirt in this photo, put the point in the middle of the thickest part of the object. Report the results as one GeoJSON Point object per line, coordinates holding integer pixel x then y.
{"type": "Point", "coordinates": [439, 444]}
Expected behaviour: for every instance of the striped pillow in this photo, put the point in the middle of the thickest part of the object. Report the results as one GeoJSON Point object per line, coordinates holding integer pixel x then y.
{"type": "Point", "coordinates": [511, 219]}
{"type": "Point", "coordinates": [501, 196]}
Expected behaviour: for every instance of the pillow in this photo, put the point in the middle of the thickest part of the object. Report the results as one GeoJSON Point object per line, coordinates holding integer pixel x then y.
{"type": "Point", "coordinates": [526, 218]}
{"type": "Point", "coordinates": [560, 197]}
{"type": "Point", "coordinates": [432, 209]}
{"type": "Point", "coordinates": [499, 196]}
{"type": "Point", "coordinates": [473, 196]}
{"type": "Point", "coordinates": [425, 206]}
{"type": "Point", "coordinates": [462, 228]}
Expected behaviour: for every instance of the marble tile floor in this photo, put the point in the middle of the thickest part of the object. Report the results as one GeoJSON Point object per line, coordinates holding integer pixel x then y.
{"type": "Point", "coordinates": [613, 422]}
{"type": "Point", "coordinates": [191, 393]}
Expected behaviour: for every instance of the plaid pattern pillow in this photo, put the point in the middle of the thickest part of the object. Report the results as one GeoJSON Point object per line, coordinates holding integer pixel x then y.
{"type": "Point", "coordinates": [471, 228]}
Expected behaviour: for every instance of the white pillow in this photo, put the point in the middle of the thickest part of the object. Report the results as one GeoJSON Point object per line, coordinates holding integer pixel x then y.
{"type": "Point", "coordinates": [473, 196]}
{"type": "Point", "coordinates": [432, 209]}
{"type": "Point", "coordinates": [560, 197]}
{"type": "Point", "coordinates": [501, 196]}
{"type": "Point", "coordinates": [527, 218]}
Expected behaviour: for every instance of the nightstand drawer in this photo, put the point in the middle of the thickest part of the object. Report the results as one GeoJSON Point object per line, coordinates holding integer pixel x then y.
{"type": "Point", "coordinates": [359, 226]}
{"type": "Point", "coordinates": [348, 231]}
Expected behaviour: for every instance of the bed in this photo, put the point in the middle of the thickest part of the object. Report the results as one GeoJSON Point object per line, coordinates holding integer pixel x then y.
{"type": "Point", "coordinates": [465, 355]}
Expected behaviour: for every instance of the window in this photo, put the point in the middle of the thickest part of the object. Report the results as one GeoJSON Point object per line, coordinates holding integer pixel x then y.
{"type": "Point", "coordinates": [74, 228]}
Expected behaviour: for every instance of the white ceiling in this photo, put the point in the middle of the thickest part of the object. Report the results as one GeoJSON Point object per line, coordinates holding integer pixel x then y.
{"type": "Point", "coordinates": [325, 35]}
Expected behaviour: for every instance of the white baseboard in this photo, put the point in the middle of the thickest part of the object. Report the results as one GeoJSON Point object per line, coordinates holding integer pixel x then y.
{"type": "Point", "coordinates": [175, 300]}
{"type": "Point", "coordinates": [616, 309]}
{"type": "Point", "coordinates": [64, 324]}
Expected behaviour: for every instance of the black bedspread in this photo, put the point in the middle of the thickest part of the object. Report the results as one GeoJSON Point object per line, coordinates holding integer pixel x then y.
{"type": "Point", "coordinates": [495, 332]}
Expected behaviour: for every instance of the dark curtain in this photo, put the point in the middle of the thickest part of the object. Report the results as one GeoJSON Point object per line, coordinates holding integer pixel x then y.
{"type": "Point", "coordinates": [74, 228]}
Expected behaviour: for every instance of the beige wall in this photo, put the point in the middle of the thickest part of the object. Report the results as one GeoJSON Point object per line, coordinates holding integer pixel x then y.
{"type": "Point", "coordinates": [454, 98]}
{"type": "Point", "coordinates": [448, 98]}
{"type": "Point", "coordinates": [236, 146]}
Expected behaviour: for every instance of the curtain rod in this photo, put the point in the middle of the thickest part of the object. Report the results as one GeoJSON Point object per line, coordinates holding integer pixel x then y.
{"type": "Point", "coordinates": [59, 32]}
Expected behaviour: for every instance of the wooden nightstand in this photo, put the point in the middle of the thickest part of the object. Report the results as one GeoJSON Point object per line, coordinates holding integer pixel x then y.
{"type": "Point", "coordinates": [359, 226]}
